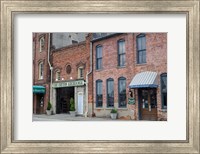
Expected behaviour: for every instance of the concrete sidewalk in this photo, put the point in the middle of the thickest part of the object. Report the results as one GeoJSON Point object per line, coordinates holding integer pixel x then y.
{"type": "Point", "coordinates": [67, 117]}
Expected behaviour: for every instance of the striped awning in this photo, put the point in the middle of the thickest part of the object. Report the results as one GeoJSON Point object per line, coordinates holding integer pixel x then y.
{"type": "Point", "coordinates": [144, 80]}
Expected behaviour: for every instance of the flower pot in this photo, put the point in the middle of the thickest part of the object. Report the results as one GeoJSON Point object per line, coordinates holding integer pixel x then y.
{"type": "Point", "coordinates": [113, 115]}
{"type": "Point", "coordinates": [49, 112]}
{"type": "Point", "coordinates": [72, 113]}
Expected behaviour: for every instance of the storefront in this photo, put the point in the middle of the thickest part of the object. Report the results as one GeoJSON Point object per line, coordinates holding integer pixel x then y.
{"type": "Point", "coordinates": [38, 99]}
{"type": "Point", "coordinates": [144, 86]}
{"type": "Point", "coordinates": [66, 90]}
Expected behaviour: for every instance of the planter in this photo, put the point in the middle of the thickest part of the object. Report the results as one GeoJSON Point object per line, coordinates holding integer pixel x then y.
{"type": "Point", "coordinates": [72, 113]}
{"type": "Point", "coordinates": [49, 112]}
{"type": "Point", "coordinates": [113, 115]}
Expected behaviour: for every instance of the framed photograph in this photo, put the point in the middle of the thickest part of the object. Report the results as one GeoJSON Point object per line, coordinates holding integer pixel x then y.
{"type": "Point", "coordinates": [99, 76]}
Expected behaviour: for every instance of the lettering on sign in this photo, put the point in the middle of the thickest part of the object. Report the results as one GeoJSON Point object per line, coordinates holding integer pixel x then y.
{"type": "Point", "coordinates": [68, 84]}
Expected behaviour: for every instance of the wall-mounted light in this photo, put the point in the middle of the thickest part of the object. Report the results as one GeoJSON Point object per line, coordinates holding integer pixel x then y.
{"type": "Point", "coordinates": [71, 78]}
{"type": "Point", "coordinates": [62, 78]}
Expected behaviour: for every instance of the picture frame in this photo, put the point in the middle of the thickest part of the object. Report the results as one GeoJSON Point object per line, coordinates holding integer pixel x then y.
{"type": "Point", "coordinates": [10, 8]}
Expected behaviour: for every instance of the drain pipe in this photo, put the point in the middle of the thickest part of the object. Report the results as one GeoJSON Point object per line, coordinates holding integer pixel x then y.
{"type": "Point", "coordinates": [51, 69]}
{"type": "Point", "coordinates": [86, 107]}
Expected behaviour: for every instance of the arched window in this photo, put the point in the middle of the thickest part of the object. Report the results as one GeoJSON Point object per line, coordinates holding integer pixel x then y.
{"type": "Point", "coordinates": [121, 53]}
{"type": "Point", "coordinates": [41, 44]}
{"type": "Point", "coordinates": [99, 93]}
{"type": "Point", "coordinates": [110, 92]}
{"type": "Point", "coordinates": [41, 70]}
{"type": "Point", "coordinates": [58, 75]}
{"type": "Point", "coordinates": [141, 48]}
{"type": "Point", "coordinates": [163, 80]}
{"type": "Point", "coordinates": [80, 72]}
{"type": "Point", "coordinates": [99, 57]}
{"type": "Point", "coordinates": [122, 91]}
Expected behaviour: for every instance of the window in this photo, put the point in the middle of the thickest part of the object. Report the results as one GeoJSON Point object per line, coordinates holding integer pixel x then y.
{"type": "Point", "coordinates": [57, 75]}
{"type": "Point", "coordinates": [163, 79]}
{"type": "Point", "coordinates": [41, 44]}
{"type": "Point", "coordinates": [122, 91]}
{"type": "Point", "coordinates": [99, 93]}
{"type": "Point", "coordinates": [41, 70]}
{"type": "Point", "coordinates": [80, 72]}
{"type": "Point", "coordinates": [68, 69]}
{"type": "Point", "coordinates": [121, 53]}
{"type": "Point", "coordinates": [110, 92]}
{"type": "Point", "coordinates": [99, 57]}
{"type": "Point", "coordinates": [141, 48]}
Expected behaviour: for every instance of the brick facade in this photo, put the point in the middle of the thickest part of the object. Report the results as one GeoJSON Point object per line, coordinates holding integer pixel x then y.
{"type": "Point", "coordinates": [83, 54]}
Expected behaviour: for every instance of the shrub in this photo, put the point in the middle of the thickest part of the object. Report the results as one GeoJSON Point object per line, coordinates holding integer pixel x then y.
{"type": "Point", "coordinates": [113, 111]}
{"type": "Point", "coordinates": [49, 106]}
{"type": "Point", "coordinates": [72, 105]}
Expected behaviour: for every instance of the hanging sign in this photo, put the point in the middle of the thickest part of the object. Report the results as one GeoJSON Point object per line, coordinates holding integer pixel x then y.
{"type": "Point", "coordinates": [131, 101]}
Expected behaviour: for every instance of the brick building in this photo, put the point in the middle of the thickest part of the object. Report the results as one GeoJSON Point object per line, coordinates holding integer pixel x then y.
{"type": "Point", "coordinates": [127, 71]}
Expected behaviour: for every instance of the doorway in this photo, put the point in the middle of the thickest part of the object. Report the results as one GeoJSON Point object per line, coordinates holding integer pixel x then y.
{"type": "Point", "coordinates": [39, 103]}
{"type": "Point", "coordinates": [80, 103]}
{"type": "Point", "coordinates": [147, 104]}
{"type": "Point", "coordinates": [63, 99]}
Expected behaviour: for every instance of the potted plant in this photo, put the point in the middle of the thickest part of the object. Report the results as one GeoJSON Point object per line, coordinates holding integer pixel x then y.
{"type": "Point", "coordinates": [72, 107]}
{"type": "Point", "coordinates": [49, 107]}
{"type": "Point", "coordinates": [113, 114]}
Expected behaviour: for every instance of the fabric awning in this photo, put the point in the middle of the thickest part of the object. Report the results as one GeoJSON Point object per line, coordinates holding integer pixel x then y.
{"type": "Point", "coordinates": [38, 89]}
{"type": "Point", "coordinates": [144, 80]}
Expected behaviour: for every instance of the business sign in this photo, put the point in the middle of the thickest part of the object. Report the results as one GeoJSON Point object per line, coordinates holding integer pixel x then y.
{"type": "Point", "coordinates": [131, 100]}
{"type": "Point", "coordinates": [68, 84]}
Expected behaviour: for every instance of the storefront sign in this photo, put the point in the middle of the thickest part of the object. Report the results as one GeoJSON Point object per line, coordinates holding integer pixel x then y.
{"type": "Point", "coordinates": [68, 84]}
{"type": "Point", "coordinates": [131, 100]}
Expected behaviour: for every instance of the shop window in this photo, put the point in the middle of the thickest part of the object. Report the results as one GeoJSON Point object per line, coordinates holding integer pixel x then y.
{"type": "Point", "coordinates": [80, 72]}
{"type": "Point", "coordinates": [163, 79]}
{"type": "Point", "coordinates": [122, 91]}
{"type": "Point", "coordinates": [41, 44]}
{"type": "Point", "coordinates": [121, 53]}
{"type": "Point", "coordinates": [99, 93]}
{"type": "Point", "coordinates": [41, 70]}
{"type": "Point", "coordinates": [99, 57]}
{"type": "Point", "coordinates": [110, 92]}
{"type": "Point", "coordinates": [141, 49]}
{"type": "Point", "coordinates": [57, 75]}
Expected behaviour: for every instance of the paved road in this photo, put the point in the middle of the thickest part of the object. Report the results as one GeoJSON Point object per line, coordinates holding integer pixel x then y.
{"type": "Point", "coordinates": [66, 117]}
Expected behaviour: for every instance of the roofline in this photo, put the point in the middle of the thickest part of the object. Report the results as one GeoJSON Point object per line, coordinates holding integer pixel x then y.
{"type": "Point", "coordinates": [106, 37]}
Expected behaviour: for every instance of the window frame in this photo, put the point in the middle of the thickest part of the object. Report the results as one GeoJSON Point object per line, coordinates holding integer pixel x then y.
{"type": "Point", "coordinates": [42, 46]}
{"type": "Point", "coordinates": [58, 75]}
{"type": "Point", "coordinates": [107, 101]}
{"type": "Point", "coordinates": [79, 72]}
{"type": "Point", "coordinates": [99, 58]}
{"type": "Point", "coordinates": [99, 81]}
{"type": "Point", "coordinates": [121, 54]}
{"type": "Point", "coordinates": [161, 85]}
{"type": "Point", "coordinates": [41, 70]}
{"type": "Point", "coordinates": [142, 50]}
{"type": "Point", "coordinates": [121, 78]}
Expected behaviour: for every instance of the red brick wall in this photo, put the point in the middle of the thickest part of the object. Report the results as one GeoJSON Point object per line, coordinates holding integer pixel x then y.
{"type": "Point", "coordinates": [110, 68]}
{"type": "Point", "coordinates": [156, 49]}
{"type": "Point", "coordinates": [74, 55]}
{"type": "Point", "coordinates": [37, 57]}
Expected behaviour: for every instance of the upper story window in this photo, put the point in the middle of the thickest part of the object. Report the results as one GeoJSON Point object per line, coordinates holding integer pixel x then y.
{"type": "Point", "coordinates": [163, 79]}
{"type": "Point", "coordinates": [58, 75]}
{"type": "Point", "coordinates": [121, 53]}
{"type": "Point", "coordinates": [122, 91]}
{"type": "Point", "coordinates": [141, 49]}
{"type": "Point", "coordinates": [99, 57]}
{"type": "Point", "coordinates": [41, 43]}
{"type": "Point", "coordinates": [99, 93]}
{"type": "Point", "coordinates": [41, 70]}
{"type": "Point", "coordinates": [68, 69]}
{"type": "Point", "coordinates": [110, 92]}
{"type": "Point", "coordinates": [80, 72]}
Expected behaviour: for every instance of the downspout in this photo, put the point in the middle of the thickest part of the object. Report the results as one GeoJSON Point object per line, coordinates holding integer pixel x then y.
{"type": "Point", "coordinates": [51, 69]}
{"type": "Point", "coordinates": [86, 111]}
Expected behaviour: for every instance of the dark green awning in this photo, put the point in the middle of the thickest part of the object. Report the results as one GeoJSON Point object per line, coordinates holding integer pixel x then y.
{"type": "Point", "coordinates": [38, 89]}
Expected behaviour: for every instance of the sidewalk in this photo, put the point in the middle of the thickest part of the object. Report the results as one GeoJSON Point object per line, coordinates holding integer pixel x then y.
{"type": "Point", "coordinates": [67, 117]}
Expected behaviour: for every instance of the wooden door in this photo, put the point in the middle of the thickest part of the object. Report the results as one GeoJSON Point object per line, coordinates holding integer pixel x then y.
{"type": "Point", "coordinates": [148, 104]}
